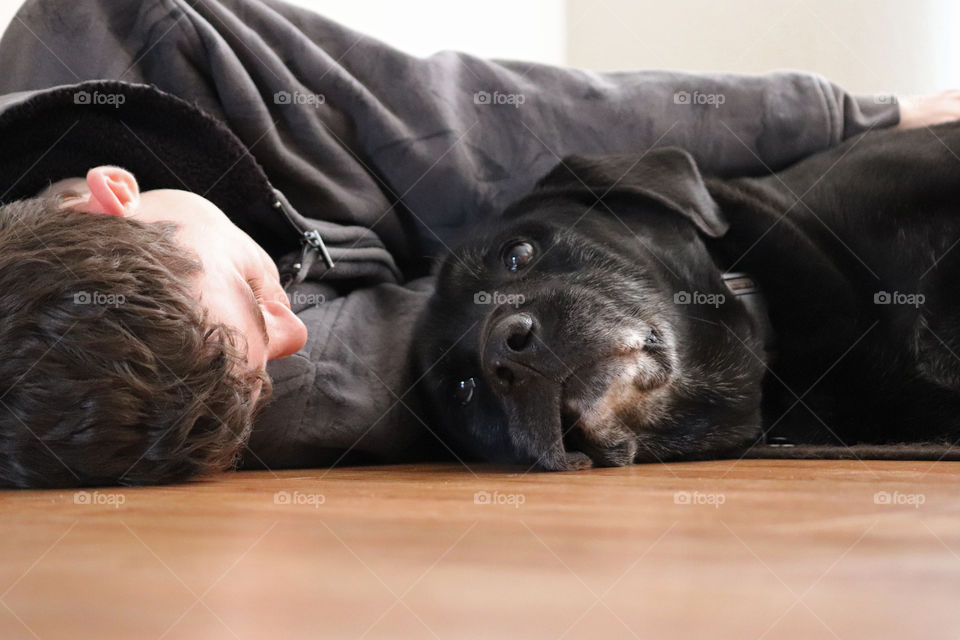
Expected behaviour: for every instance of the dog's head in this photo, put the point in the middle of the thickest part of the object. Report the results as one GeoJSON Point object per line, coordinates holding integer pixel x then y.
{"type": "Point", "coordinates": [589, 325]}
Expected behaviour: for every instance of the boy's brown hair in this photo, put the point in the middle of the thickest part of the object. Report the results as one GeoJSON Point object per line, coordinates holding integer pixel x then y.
{"type": "Point", "coordinates": [110, 371]}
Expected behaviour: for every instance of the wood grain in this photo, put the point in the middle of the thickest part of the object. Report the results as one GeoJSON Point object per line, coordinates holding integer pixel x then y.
{"type": "Point", "coordinates": [749, 549]}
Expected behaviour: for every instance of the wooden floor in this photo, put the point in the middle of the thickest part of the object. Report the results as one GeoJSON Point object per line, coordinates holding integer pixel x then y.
{"type": "Point", "coordinates": [751, 549]}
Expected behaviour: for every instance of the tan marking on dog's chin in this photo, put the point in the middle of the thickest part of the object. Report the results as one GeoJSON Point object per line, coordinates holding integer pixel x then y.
{"type": "Point", "coordinates": [622, 395]}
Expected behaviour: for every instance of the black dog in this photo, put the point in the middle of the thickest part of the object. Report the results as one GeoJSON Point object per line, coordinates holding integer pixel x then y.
{"type": "Point", "coordinates": [593, 323]}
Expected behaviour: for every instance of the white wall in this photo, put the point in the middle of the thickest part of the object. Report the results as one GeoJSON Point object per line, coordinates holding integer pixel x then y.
{"type": "Point", "coordinates": [7, 9]}
{"type": "Point", "coordinates": [904, 46]}
{"type": "Point", "coordinates": [535, 30]}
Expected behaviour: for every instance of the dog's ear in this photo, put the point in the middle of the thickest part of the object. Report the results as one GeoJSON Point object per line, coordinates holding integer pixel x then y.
{"type": "Point", "coordinates": [667, 175]}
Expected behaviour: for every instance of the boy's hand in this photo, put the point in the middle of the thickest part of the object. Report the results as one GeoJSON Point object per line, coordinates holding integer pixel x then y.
{"type": "Point", "coordinates": [923, 111]}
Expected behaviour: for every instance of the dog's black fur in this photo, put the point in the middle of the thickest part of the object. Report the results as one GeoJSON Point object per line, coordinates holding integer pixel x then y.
{"type": "Point", "coordinates": [597, 363]}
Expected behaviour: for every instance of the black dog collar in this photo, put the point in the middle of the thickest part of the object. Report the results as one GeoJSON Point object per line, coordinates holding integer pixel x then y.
{"type": "Point", "coordinates": [748, 291]}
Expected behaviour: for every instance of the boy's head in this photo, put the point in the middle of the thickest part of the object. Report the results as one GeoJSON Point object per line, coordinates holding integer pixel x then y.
{"type": "Point", "coordinates": [134, 334]}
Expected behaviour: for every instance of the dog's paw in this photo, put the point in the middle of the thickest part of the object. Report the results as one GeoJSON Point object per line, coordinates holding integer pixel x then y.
{"type": "Point", "coordinates": [576, 460]}
{"type": "Point", "coordinates": [567, 461]}
{"type": "Point", "coordinates": [616, 447]}
{"type": "Point", "coordinates": [620, 454]}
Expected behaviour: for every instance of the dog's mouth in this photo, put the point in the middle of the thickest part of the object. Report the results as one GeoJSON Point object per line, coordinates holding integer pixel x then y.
{"type": "Point", "coordinates": [606, 401]}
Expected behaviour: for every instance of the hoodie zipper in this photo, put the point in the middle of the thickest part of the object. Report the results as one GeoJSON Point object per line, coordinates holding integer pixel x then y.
{"type": "Point", "coordinates": [311, 244]}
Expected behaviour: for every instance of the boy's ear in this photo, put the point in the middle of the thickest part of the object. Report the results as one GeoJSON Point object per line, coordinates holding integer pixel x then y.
{"type": "Point", "coordinates": [667, 175]}
{"type": "Point", "coordinates": [113, 191]}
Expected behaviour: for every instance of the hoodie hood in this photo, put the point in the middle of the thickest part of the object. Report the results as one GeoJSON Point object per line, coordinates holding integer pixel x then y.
{"type": "Point", "coordinates": [168, 143]}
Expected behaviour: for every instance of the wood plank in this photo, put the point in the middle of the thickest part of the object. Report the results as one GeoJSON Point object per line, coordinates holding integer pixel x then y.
{"type": "Point", "coordinates": [748, 549]}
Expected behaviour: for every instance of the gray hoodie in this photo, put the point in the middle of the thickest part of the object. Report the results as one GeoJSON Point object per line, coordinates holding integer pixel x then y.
{"type": "Point", "coordinates": [329, 146]}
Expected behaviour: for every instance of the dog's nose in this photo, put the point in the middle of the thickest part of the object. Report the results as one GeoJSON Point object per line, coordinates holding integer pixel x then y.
{"type": "Point", "coordinates": [510, 350]}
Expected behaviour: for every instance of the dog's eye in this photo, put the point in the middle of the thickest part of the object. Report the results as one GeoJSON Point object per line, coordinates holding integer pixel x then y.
{"type": "Point", "coordinates": [464, 392]}
{"type": "Point", "coordinates": [517, 255]}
